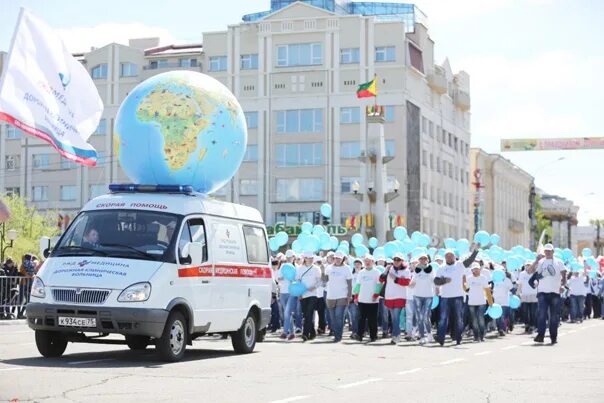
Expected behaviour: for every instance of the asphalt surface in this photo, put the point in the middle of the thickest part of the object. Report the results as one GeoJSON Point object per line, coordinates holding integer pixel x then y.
{"type": "Point", "coordinates": [505, 369]}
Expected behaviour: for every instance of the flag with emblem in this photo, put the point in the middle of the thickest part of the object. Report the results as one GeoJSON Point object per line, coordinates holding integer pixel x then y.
{"type": "Point", "coordinates": [368, 89]}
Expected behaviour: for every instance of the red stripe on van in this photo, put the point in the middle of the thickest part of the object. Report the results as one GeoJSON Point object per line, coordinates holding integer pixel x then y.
{"type": "Point", "coordinates": [226, 271]}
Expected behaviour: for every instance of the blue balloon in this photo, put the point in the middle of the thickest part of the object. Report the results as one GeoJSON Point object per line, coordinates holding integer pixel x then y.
{"type": "Point", "coordinates": [297, 289]}
{"type": "Point", "coordinates": [408, 245]}
{"type": "Point", "coordinates": [576, 266]}
{"type": "Point", "coordinates": [312, 244]}
{"type": "Point", "coordinates": [517, 250]}
{"type": "Point", "coordinates": [586, 252]}
{"type": "Point", "coordinates": [390, 249]}
{"type": "Point", "coordinates": [361, 251]}
{"type": "Point", "coordinates": [514, 263]}
{"type": "Point", "coordinates": [356, 240]}
{"type": "Point", "coordinates": [416, 237]}
{"type": "Point", "coordinates": [418, 251]}
{"type": "Point", "coordinates": [282, 238]}
{"type": "Point", "coordinates": [483, 238]}
{"type": "Point", "coordinates": [297, 246]}
{"type": "Point", "coordinates": [273, 244]}
{"type": "Point", "coordinates": [435, 301]}
{"type": "Point", "coordinates": [514, 302]}
{"type": "Point", "coordinates": [432, 253]}
{"type": "Point", "coordinates": [567, 255]}
{"type": "Point", "coordinates": [450, 243]}
{"type": "Point", "coordinates": [318, 229]}
{"type": "Point", "coordinates": [592, 262]}
{"type": "Point", "coordinates": [495, 311]}
{"type": "Point", "coordinates": [593, 273]}
{"type": "Point", "coordinates": [344, 243]}
{"type": "Point", "coordinates": [379, 252]}
{"type": "Point", "coordinates": [344, 249]}
{"type": "Point", "coordinates": [495, 239]}
{"type": "Point", "coordinates": [288, 271]}
{"type": "Point", "coordinates": [434, 266]}
{"type": "Point", "coordinates": [326, 210]}
{"type": "Point", "coordinates": [463, 246]}
{"type": "Point", "coordinates": [333, 242]}
{"type": "Point", "coordinates": [373, 242]}
{"type": "Point", "coordinates": [307, 227]}
{"type": "Point", "coordinates": [498, 276]}
{"type": "Point", "coordinates": [424, 240]}
{"type": "Point", "coordinates": [400, 233]}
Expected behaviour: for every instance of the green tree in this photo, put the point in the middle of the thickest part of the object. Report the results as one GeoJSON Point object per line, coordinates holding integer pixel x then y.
{"type": "Point", "coordinates": [542, 222]}
{"type": "Point", "coordinates": [30, 224]}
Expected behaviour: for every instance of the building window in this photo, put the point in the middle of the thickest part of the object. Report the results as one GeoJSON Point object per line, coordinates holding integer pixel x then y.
{"type": "Point", "coordinates": [128, 70]}
{"type": "Point", "coordinates": [432, 193]}
{"type": "Point", "coordinates": [12, 162]}
{"type": "Point", "coordinates": [252, 120]}
{"type": "Point", "coordinates": [455, 145]}
{"type": "Point", "coordinates": [438, 164]}
{"type": "Point", "coordinates": [349, 56]}
{"type": "Point", "coordinates": [390, 147]}
{"type": "Point", "coordinates": [13, 191]}
{"type": "Point", "coordinates": [346, 183]}
{"type": "Point", "coordinates": [251, 153]}
{"type": "Point", "coordinates": [296, 155]}
{"type": "Point", "coordinates": [39, 193]}
{"type": "Point", "coordinates": [424, 125]}
{"type": "Point", "coordinates": [424, 158]}
{"type": "Point", "coordinates": [99, 71]}
{"type": "Point", "coordinates": [249, 62]}
{"type": "Point", "coordinates": [445, 199]}
{"type": "Point", "coordinates": [431, 128]}
{"type": "Point", "coordinates": [158, 64]}
{"type": "Point", "coordinates": [450, 170]}
{"type": "Point", "coordinates": [68, 192]}
{"type": "Point", "coordinates": [450, 140]}
{"type": "Point", "coordinates": [306, 189]}
{"type": "Point", "coordinates": [389, 113]}
{"type": "Point", "coordinates": [425, 191]}
{"type": "Point", "coordinates": [385, 54]}
{"type": "Point", "coordinates": [350, 115]}
{"type": "Point", "coordinates": [431, 161]}
{"type": "Point", "coordinates": [218, 63]}
{"type": "Point", "coordinates": [291, 219]}
{"type": "Point", "coordinates": [451, 200]}
{"type": "Point", "coordinates": [300, 121]}
{"type": "Point", "coordinates": [67, 164]}
{"type": "Point", "coordinates": [415, 58]}
{"type": "Point", "coordinates": [101, 129]}
{"type": "Point", "coordinates": [12, 133]}
{"type": "Point", "coordinates": [350, 149]}
{"type": "Point", "coordinates": [248, 187]}
{"type": "Point", "coordinates": [96, 190]}
{"type": "Point", "coordinates": [461, 175]}
{"type": "Point", "coordinates": [438, 198]}
{"type": "Point", "coordinates": [299, 54]}
{"type": "Point", "coordinates": [187, 63]}
{"type": "Point", "coordinates": [40, 161]}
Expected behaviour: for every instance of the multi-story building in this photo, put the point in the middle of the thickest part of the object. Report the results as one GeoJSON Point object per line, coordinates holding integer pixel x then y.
{"type": "Point", "coordinates": [501, 193]}
{"type": "Point", "coordinates": [295, 70]}
{"type": "Point", "coordinates": [562, 213]}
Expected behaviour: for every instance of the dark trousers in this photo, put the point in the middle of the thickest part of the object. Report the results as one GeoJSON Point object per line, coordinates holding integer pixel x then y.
{"type": "Point", "coordinates": [321, 307]}
{"type": "Point", "coordinates": [596, 303]}
{"type": "Point", "coordinates": [588, 306]}
{"type": "Point", "coordinates": [549, 306]}
{"type": "Point", "coordinates": [308, 309]}
{"type": "Point", "coordinates": [369, 314]}
{"type": "Point", "coordinates": [275, 322]}
{"type": "Point", "coordinates": [529, 315]}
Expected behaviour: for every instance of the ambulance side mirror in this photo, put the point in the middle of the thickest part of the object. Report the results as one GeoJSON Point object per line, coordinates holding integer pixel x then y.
{"type": "Point", "coordinates": [194, 250]}
{"type": "Point", "coordinates": [45, 246]}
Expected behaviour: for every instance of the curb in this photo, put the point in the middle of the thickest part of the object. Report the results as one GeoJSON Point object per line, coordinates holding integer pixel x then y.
{"type": "Point", "coordinates": [9, 322]}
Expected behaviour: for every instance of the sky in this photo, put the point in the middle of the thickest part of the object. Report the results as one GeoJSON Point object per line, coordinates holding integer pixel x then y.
{"type": "Point", "coordinates": [536, 66]}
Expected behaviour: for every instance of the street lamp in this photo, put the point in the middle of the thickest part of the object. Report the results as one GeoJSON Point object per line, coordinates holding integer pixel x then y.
{"type": "Point", "coordinates": [11, 235]}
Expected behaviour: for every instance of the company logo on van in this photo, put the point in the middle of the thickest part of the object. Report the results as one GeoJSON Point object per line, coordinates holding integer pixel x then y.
{"type": "Point", "coordinates": [228, 234]}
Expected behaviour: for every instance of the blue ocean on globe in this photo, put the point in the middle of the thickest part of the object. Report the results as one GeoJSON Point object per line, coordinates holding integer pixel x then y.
{"type": "Point", "coordinates": [180, 128]}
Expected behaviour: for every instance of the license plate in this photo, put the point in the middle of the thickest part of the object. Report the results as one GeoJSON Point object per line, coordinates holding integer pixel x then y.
{"type": "Point", "coordinates": [77, 322]}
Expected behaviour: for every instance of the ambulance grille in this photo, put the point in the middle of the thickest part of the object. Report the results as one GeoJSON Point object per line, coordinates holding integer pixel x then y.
{"type": "Point", "coordinates": [78, 296]}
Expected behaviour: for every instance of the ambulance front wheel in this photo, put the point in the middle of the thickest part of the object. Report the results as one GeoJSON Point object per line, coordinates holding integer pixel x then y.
{"type": "Point", "coordinates": [50, 344]}
{"type": "Point", "coordinates": [173, 341]}
{"type": "Point", "coordinates": [244, 339]}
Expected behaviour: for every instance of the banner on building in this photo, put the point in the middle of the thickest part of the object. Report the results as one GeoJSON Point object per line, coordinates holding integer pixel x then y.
{"type": "Point", "coordinates": [46, 93]}
{"type": "Point", "coordinates": [575, 143]}
{"type": "Point", "coordinates": [295, 230]}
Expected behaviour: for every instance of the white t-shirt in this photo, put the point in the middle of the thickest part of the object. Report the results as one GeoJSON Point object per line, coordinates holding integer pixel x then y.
{"type": "Point", "coordinates": [525, 289]}
{"type": "Point", "coordinates": [424, 284]}
{"type": "Point", "coordinates": [337, 282]}
{"type": "Point", "coordinates": [310, 277]}
{"type": "Point", "coordinates": [476, 285]}
{"type": "Point", "coordinates": [576, 286]}
{"type": "Point", "coordinates": [501, 292]}
{"type": "Point", "coordinates": [455, 272]}
{"type": "Point", "coordinates": [393, 290]}
{"type": "Point", "coordinates": [551, 269]}
{"type": "Point", "coordinates": [368, 279]}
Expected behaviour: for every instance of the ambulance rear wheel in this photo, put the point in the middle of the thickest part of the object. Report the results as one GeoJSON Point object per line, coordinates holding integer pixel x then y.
{"type": "Point", "coordinates": [50, 344]}
{"type": "Point", "coordinates": [244, 339]}
{"type": "Point", "coordinates": [137, 342]}
{"type": "Point", "coordinates": [173, 341]}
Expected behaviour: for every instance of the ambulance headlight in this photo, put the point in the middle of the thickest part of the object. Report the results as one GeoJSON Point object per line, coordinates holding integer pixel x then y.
{"type": "Point", "coordinates": [136, 293]}
{"type": "Point", "coordinates": [37, 288]}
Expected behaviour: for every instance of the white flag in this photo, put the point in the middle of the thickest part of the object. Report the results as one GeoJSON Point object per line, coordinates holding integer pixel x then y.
{"type": "Point", "coordinates": [47, 93]}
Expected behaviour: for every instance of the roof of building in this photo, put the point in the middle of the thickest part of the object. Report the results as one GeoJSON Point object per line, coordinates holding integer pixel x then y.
{"type": "Point", "coordinates": [174, 49]}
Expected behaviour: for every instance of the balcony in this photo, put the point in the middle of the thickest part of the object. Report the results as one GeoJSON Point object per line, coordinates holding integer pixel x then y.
{"type": "Point", "coordinates": [462, 100]}
{"type": "Point", "coordinates": [173, 66]}
{"type": "Point", "coordinates": [437, 80]}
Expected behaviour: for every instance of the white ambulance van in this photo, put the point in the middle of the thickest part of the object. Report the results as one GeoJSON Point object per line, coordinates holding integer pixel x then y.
{"type": "Point", "coordinates": [159, 265]}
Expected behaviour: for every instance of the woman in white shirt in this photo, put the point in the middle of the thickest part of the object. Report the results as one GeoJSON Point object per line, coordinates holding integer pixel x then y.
{"type": "Point", "coordinates": [353, 309]}
{"type": "Point", "coordinates": [310, 276]}
{"type": "Point", "coordinates": [577, 293]}
{"type": "Point", "coordinates": [339, 290]}
{"type": "Point", "coordinates": [528, 298]}
{"type": "Point", "coordinates": [422, 284]}
{"type": "Point", "coordinates": [367, 290]}
{"type": "Point", "coordinates": [501, 295]}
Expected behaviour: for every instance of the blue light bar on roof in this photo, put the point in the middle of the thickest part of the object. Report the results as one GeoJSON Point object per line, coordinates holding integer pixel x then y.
{"type": "Point", "coordinates": [132, 188]}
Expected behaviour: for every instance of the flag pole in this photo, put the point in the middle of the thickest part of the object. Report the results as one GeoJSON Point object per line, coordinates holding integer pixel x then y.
{"type": "Point", "coordinates": [12, 45]}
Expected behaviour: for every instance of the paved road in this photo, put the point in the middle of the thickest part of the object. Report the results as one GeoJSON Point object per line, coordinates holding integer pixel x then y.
{"type": "Point", "coordinates": [508, 369]}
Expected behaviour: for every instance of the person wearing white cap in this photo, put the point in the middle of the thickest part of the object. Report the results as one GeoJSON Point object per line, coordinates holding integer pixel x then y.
{"type": "Point", "coordinates": [367, 291]}
{"type": "Point", "coordinates": [289, 303]}
{"type": "Point", "coordinates": [339, 291]}
{"type": "Point", "coordinates": [353, 309]}
{"type": "Point", "coordinates": [501, 295]}
{"type": "Point", "coordinates": [383, 314]}
{"type": "Point", "coordinates": [550, 272]}
{"type": "Point", "coordinates": [450, 277]}
{"type": "Point", "coordinates": [479, 293]}
{"type": "Point", "coordinates": [422, 284]}
{"type": "Point", "coordinates": [528, 298]}
{"type": "Point", "coordinates": [309, 275]}
{"type": "Point", "coordinates": [396, 280]}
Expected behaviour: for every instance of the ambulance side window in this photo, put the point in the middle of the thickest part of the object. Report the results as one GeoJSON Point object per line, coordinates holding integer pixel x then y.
{"type": "Point", "coordinates": [256, 245]}
{"type": "Point", "coordinates": [193, 231]}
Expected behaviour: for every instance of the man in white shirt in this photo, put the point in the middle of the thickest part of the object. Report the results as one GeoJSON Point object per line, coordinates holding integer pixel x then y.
{"type": "Point", "coordinates": [450, 277]}
{"type": "Point", "coordinates": [577, 294]}
{"type": "Point", "coordinates": [479, 293]}
{"type": "Point", "coordinates": [310, 276]}
{"type": "Point", "coordinates": [551, 274]}
{"type": "Point", "coordinates": [528, 297]}
{"type": "Point", "coordinates": [367, 291]}
{"type": "Point", "coordinates": [422, 284]}
{"type": "Point", "coordinates": [339, 290]}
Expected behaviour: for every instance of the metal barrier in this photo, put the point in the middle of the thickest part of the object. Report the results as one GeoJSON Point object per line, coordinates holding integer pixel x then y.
{"type": "Point", "coordinates": [14, 296]}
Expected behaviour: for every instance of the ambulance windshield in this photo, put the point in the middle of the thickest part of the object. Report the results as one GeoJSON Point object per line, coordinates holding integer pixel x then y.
{"type": "Point", "coordinates": [126, 234]}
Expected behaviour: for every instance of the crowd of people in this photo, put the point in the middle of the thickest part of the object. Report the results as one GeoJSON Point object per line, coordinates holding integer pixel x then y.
{"type": "Point", "coordinates": [15, 285]}
{"type": "Point", "coordinates": [416, 299]}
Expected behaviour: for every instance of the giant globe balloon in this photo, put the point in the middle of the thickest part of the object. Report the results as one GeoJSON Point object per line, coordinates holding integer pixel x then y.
{"type": "Point", "coordinates": [180, 128]}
